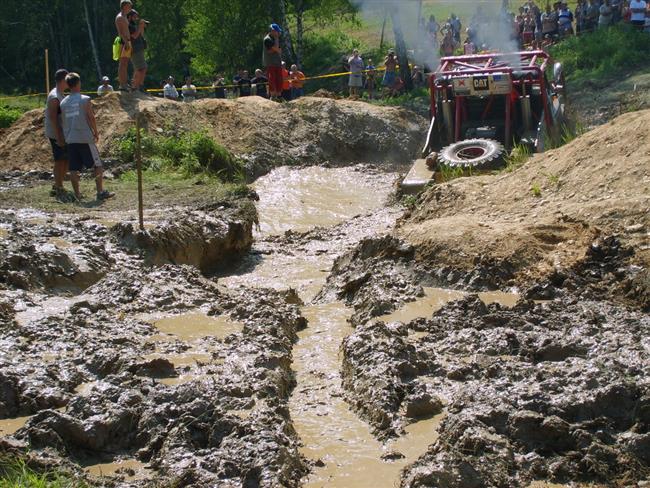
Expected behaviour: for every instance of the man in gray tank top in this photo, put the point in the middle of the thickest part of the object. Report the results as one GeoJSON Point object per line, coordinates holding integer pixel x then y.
{"type": "Point", "coordinates": [80, 132]}
{"type": "Point", "coordinates": [54, 132]}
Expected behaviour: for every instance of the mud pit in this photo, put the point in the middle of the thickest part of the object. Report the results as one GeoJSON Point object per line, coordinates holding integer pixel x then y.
{"type": "Point", "coordinates": [337, 351]}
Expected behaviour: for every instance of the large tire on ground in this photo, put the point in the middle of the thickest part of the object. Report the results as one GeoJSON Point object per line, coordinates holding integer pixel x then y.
{"type": "Point", "coordinates": [472, 153]}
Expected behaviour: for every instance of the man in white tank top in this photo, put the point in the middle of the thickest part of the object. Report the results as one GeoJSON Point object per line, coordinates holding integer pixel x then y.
{"type": "Point", "coordinates": [80, 132]}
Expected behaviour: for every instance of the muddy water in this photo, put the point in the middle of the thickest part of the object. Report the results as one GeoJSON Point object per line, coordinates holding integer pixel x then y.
{"type": "Point", "coordinates": [130, 469]}
{"type": "Point", "coordinates": [300, 199]}
{"type": "Point", "coordinates": [193, 326]}
{"type": "Point", "coordinates": [9, 426]}
{"type": "Point", "coordinates": [331, 433]}
{"type": "Point", "coordinates": [435, 298]}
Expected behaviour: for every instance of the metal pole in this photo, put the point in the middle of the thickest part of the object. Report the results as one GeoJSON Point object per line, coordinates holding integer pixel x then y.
{"type": "Point", "coordinates": [138, 163]}
{"type": "Point", "coordinates": [47, 71]}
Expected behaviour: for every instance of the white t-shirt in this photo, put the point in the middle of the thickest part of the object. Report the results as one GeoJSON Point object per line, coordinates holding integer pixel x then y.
{"type": "Point", "coordinates": [104, 89]}
{"type": "Point", "coordinates": [189, 93]}
{"type": "Point", "coordinates": [169, 91]}
{"type": "Point", "coordinates": [638, 4]}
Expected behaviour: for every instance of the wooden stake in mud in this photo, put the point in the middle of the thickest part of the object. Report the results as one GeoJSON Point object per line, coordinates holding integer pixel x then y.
{"type": "Point", "coordinates": [138, 165]}
{"type": "Point", "coordinates": [47, 71]}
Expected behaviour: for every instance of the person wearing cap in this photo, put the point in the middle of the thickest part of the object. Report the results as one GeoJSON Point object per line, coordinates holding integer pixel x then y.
{"type": "Point", "coordinates": [272, 60]}
{"type": "Point", "coordinates": [169, 90]}
{"type": "Point", "coordinates": [105, 87]}
{"type": "Point", "coordinates": [297, 79]}
{"type": "Point", "coordinates": [122, 26]}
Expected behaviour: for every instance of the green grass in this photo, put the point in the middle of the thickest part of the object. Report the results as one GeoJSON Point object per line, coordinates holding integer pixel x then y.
{"type": "Point", "coordinates": [602, 56]}
{"type": "Point", "coordinates": [187, 154]}
{"type": "Point", "coordinates": [536, 189]}
{"type": "Point", "coordinates": [8, 116]}
{"type": "Point", "coordinates": [518, 156]}
{"type": "Point", "coordinates": [14, 473]}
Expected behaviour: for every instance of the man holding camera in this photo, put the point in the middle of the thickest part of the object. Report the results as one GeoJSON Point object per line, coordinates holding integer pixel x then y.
{"type": "Point", "coordinates": [122, 26]}
{"type": "Point", "coordinates": [138, 44]}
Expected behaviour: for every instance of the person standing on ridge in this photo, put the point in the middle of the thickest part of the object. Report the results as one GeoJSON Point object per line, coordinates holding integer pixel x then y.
{"type": "Point", "coordinates": [105, 87]}
{"type": "Point", "coordinates": [54, 132]}
{"type": "Point", "coordinates": [81, 136]}
{"type": "Point", "coordinates": [272, 60]}
{"type": "Point", "coordinates": [139, 44]}
{"type": "Point", "coordinates": [122, 26]}
{"type": "Point", "coordinates": [356, 73]}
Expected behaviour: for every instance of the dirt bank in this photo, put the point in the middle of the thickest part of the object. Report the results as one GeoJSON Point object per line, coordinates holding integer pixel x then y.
{"type": "Point", "coordinates": [541, 218]}
{"type": "Point", "coordinates": [264, 133]}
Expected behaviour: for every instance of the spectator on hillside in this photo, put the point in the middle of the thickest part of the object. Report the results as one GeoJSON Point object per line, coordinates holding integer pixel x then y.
{"type": "Point", "coordinates": [448, 45]}
{"type": "Point", "coordinates": [646, 28]}
{"type": "Point", "coordinates": [235, 81]}
{"type": "Point", "coordinates": [606, 15]}
{"type": "Point", "coordinates": [169, 90]}
{"type": "Point", "coordinates": [592, 13]}
{"type": "Point", "coordinates": [371, 75]}
{"type": "Point", "coordinates": [454, 21]}
{"type": "Point", "coordinates": [244, 84]}
{"type": "Point", "coordinates": [261, 83]}
{"type": "Point", "coordinates": [432, 30]}
{"type": "Point", "coordinates": [286, 83]}
{"type": "Point", "coordinates": [139, 44]}
{"type": "Point", "coordinates": [122, 26]}
{"type": "Point", "coordinates": [549, 23]}
{"type": "Point", "coordinates": [565, 20]}
{"type": "Point", "coordinates": [54, 132]}
{"type": "Point", "coordinates": [616, 10]}
{"type": "Point", "coordinates": [272, 60]}
{"type": "Point", "coordinates": [468, 46]}
{"type": "Point", "coordinates": [356, 73]}
{"type": "Point", "coordinates": [219, 85]}
{"type": "Point", "coordinates": [81, 135]}
{"type": "Point", "coordinates": [297, 80]}
{"type": "Point", "coordinates": [105, 87]}
{"type": "Point", "coordinates": [390, 75]}
{"type": "Point", "coordinates": [638, 13]}
{"type": "Point", "coordinates": [417, 77]}
{"type": "Point", "coordinates": [189, 90]}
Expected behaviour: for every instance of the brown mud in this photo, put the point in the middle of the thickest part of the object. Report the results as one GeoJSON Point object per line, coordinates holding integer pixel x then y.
{"type": "Point", "coordinates": [487, 337]}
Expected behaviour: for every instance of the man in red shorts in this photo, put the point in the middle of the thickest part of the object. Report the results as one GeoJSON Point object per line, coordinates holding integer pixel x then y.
{"type": "Point", "coordinates": [272, 58]}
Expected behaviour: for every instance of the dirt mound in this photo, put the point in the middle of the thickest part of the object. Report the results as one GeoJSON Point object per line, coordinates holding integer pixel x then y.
{"type": "Point", "coordinates": [308, 130]}
{"type": "Point", "coordinates": [543, 216]}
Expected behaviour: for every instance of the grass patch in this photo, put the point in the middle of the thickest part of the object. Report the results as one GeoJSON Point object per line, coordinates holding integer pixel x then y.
{"type": "Point", "coordinates": [14, 473]}
{"type": "Point", "coordinates": [536, 190]}
{"type": "Point", "coordinates": [187, 154]}
{"type": "Point", "coordinates": [8, 116]}
{"type": "Point", "coordinates": [417, 100]}
{"type": "Point", "coordinates": [602, 55]}
{"type": "Point", "coordinates": [518, 156]}
{"type": "Point", "coordinates": [161, 190]}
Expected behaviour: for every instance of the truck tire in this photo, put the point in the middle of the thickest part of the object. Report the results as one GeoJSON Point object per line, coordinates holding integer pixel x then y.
{"type": "Point", "coordinates": [472, 153]}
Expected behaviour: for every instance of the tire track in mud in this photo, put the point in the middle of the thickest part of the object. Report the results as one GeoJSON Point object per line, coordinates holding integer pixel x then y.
{"type": "Point", "coordinates": [323, 216]}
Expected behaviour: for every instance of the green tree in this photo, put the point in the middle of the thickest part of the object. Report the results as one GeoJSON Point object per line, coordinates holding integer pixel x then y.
{"type": "Point", "coordinates": [222, 35]}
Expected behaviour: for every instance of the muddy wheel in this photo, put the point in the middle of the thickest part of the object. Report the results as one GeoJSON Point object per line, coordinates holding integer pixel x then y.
{"type": "Point", "coordinates": [472, 153]}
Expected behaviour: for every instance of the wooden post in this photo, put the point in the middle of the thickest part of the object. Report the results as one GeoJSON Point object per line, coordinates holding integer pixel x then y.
{"type": "Point", "coordinates": [138, 163]}
{"type": "Point", "coordinates": [47, 71]}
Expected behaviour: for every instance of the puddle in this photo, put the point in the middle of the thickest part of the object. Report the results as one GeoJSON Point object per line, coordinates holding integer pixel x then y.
{"type": "Point", "coordinates": [129, 469]}
{"type": "Point", "coordinates": [10, 426]}
{"type": "Point", "coordinates": [194, 326]}
{"type": "Point", "coordinates": [303, 198]}
{"type": "Point", "coordinates": [435, 298]}
{"type": "Point", "coordinates": [4, 233]}
{"type": "Point", "coordinates": [327, 427]}
{"type": "Point", "coordinates": [181, 380]}
{"type": "Point", "coordinates": [48, 307]}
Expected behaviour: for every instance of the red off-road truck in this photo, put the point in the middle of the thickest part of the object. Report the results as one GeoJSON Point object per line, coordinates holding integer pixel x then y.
{"type": "Point", "coordinates": [483, 104]}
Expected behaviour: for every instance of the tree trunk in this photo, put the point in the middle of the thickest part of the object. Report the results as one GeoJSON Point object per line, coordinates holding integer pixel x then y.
{"type": "Point", "coordinates": [383, 29]}
{"type": "Point", "coordinates": [400, 49]}
{"type": "Point", "coordinates": [300, 31]}
{"type": "Point", "coordinates": [287, 46]}
{"type": "Point", "coordinates": [92, 41]}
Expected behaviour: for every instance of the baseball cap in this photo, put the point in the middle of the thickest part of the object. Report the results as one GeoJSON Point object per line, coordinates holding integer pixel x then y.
{"type": "Point", "coordinates": [106, 78]}
{"type": "Point", "coordinates": [276, 28]}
